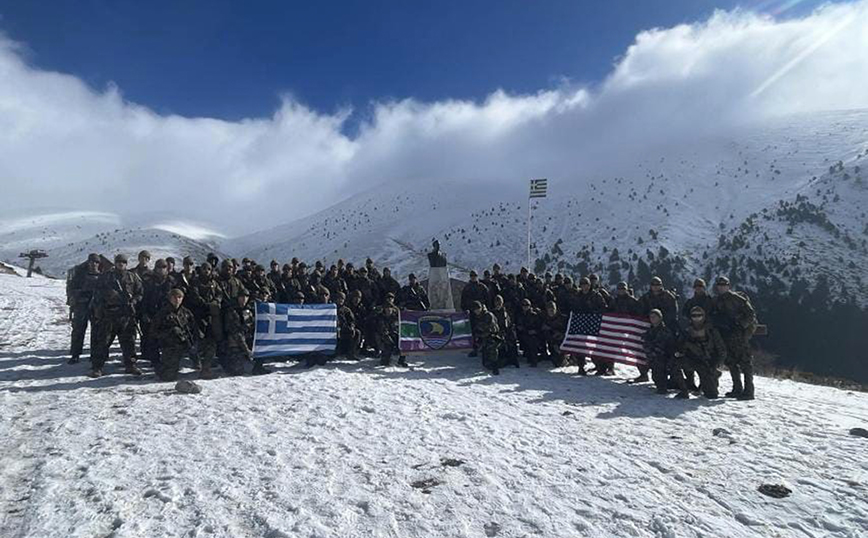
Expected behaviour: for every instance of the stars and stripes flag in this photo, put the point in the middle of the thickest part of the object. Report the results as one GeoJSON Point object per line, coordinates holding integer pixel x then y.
{"type": "Point", "coordinates": [538, 188]}
{"type": "Point", "coordinates": [293, 329]}
{"type": "Point", "coordinates": [613, 337]}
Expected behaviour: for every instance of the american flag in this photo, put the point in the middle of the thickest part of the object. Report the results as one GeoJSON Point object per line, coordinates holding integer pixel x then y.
{"type": "Point", "coordinates": [614, 337]}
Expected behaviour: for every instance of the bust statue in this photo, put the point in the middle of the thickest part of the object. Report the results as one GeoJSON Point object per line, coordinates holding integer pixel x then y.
{"type": "Point", "coordinates": [435, 257]}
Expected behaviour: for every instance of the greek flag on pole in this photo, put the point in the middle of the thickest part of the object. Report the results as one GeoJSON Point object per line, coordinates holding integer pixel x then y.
{"type": "Point", "coordinates": [538, 188]}
{"type": "Point", "coordinates": [292, 329]}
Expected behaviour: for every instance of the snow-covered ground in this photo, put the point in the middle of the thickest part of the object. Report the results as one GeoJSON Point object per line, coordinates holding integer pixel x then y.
{"type": "Point", "coordinates": [336, 450]}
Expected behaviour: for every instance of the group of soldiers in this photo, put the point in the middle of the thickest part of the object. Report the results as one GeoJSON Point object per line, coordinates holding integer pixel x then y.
{"type": "Point", "coordinates": [204, 312]}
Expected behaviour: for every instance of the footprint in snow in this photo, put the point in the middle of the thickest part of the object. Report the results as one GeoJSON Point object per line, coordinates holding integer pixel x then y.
{"type": "Point", "coordinates": [157, 494]}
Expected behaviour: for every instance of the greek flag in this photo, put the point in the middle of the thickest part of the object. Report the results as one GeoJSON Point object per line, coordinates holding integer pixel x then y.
{"type": "Point", "coordinates": [538, 188]}
{"type": "Point", "coordinates": [293, 329]}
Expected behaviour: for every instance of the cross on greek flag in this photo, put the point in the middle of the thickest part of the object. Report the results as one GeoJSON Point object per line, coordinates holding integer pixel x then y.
{"type": "Point", "coordinates": [538, 188]}
{"type": "Point", "coordinates": [293, 329]}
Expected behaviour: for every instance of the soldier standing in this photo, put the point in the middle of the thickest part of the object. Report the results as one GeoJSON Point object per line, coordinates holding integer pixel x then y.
{"type": "Point", "coordinates": [589, 301]}
{"type": "Point", "coordinates": [349, 336]}
{"type": "Point", "coordinates": [386, 322]}
{"type": "Point", "coordinates": [664, 301]}
{"type": "Point", "coordinates": [624, 303]}
{"type": "Point", "coordinates": [735, 318]}
{"type": "Point", "coordinates": [205, 300]}
{"type": "Point", "coordinates": [488, 333]}
{"type": "Point", "coordinates": [387, 284]}
{"type": "Point", "coordinates": [173, 326]}
{"type": "Point", "coordinates": [80, 292]}
{"type": "Point", "coordinates": [554, 328]}
{"type": "Point", "coordinates": [156, 287]}
{"type": "Point", "coordinates": [117, 294]}
{"type": "Point", "coordinates": [144, 267]}
{"type": "Point", "coordinates": [507, 330]}
{"type": "Point", "coordinates": [528, 326]}
{"type": "Point", "coordinates": [659, 342]}
{"type": "Point", "coordinates": [473, 291]}
{"type": "Point", "coordinates": [413, 295]}
{"type": "Point", "coordinates": [238, 325]}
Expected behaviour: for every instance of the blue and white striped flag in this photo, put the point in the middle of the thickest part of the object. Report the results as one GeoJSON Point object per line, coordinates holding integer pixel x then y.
{"type": "Point", "coordinates": [292, 329]}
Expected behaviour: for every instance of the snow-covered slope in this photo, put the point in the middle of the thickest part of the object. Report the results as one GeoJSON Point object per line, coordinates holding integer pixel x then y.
{"type": "Point", "coordinates": [69, 236]}
{"type": "Point", "coordinates": [353, 450]}
{"type": "Point", "coordinates": [789, 194]}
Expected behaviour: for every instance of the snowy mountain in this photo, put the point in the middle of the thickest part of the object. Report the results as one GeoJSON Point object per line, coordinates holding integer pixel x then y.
{"type": "Point", "coordinates": [69, 236]}
{"type": "Point", "coordinates": [767, 205]}
{"type": "Point", "coordinates": [441, 450]}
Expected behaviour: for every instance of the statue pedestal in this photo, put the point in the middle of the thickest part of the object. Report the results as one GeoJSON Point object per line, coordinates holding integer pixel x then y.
{"type": "Point", "coordinates": [440, 289]}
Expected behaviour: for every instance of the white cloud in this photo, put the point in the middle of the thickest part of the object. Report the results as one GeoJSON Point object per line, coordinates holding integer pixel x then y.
{"type": "Point", "coordinates": [63, 143]}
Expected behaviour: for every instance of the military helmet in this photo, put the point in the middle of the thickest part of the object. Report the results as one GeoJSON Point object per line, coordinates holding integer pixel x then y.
{"type": "Point", "coordinates": [340, 295]}
{"type": "Point", "coordinates": [722, 281]}
{"type": "Point", "coordinates": [170, 259]}
{"type": "Point", "coordinates": [475, 305]}
{"type": "Point", "coordinates": [299, 295]}
{"type": "Point", "coordinates": [699, 283]}
{"type": "Point", "coordinates": [144, 254]}
{"type": "Point", "coordinates": [473, 273]}
{"type": "Point", "coordinates": [226, 264]}
{"type": "Point", "coordinates": [390, 295]}
{"type": "Point", "coordinates": [160, 263]}
{"type": "Point", "coordinates": [274, 262]}
{"type": "Point", "coordinates": [93, 257]}
{"type": "Point", "coordinates": [584, 280]}
{"type": "Point", "coordinates": [412, 276]}
{"type": "Point", "coordinates": [656, 312]}
{"type": "Point", "coordinates": [656, 281]}
{"type": "Point", "coordinates": [622, 285]}
{"type": "Point", "coordinates": [568, 280]}
{"type": "Point", "coordinates": [121, 258]}
{"type": "Point", "coordinates": [593, 276]}
{"type": "Point", "coordinates": [525, 302]}
{"type": "Point", "coordinates": [496, 267]}
{"type": "Point", "coordinates": [188, 260]}
{"type": "Point", "coordinates": [259, 268]}
{"type": "Point", "coordinates": [697, 310]}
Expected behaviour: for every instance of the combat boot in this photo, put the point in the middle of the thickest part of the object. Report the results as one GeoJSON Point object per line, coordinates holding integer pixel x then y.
{"type": "Point", "coordinates": [73, 360]}
{"type": "Point", "coordinates": [95, 373]}
{"type": "Point", "coordinates": [205, 372]}
{"type": "Point", "coordinates": [260, 369]}
{"type": "Point", "coordinates": [402, 361]}
{"type": "Point", "coordinates": [683, 395]}
{"type": "Point", "coordinates": [737, 389]}
{"type": "Point", "coordinates": [133, 369]}
{"type": "Point", "coordinates": [495, 371]}
{"type": "Point", "coordinates": [748, 393]}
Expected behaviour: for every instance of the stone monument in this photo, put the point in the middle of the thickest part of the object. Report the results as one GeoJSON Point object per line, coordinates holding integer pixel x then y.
{"type": "Point", "coordinates": [439, 285]}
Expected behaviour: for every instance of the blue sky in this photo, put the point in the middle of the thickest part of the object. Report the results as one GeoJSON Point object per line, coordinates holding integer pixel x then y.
{"type": "Point", "coordinates": [111, 105]}
{"type": "Point", "coordinates": [233, 60]}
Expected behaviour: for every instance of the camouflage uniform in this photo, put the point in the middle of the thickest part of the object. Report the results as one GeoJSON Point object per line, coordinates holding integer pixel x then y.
{"type": "Point", "coordinates": [413, 297]}
{"type": "Point", "coordinates": [80, 293]}
{"type": "Point", "coordinates": [154, 297]}
{"type": "Point", "coordinates": [174, 330]}
{"type": "Point", "coordinates": [659, 343]}
{"type": "Point", "coordinates": [238, 324]}
{"type": "Point", "coordinates": [490, 339]}
{"type": "Point", "coordinates": [474, 291]}
{"type": "Point", "coordinates": [702, 350]}
{"type": "Point", "coordinates": [733, 315]}
{"type": "Point", "coordinates": [349, 337]}
{"type": "Point", "coordinates": [205, 300]}
{"type": "Point", "coordinates": [117, 294]}
{"type": "Point", "coordinates": [554, 328]}
{"type": "Point", "coordinates": [386, 319]}
{"type": "Point", "coordinates": [507, 330]}
{"type": "Point", "coordinates": [528, 326]}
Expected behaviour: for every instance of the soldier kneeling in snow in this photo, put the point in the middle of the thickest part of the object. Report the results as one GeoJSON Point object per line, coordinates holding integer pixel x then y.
{"type": "Point", "coordinates": [701, 349]}
{"type": "Point", "coordinates": [238, 324]}
{"type": "Point", "coordinates": [173, 327]}
{"type": "Point", "coordinates": [488, 336]}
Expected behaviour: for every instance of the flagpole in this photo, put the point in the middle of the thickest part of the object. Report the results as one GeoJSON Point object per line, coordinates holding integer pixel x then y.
{"type": "Point", "coordinates": [529, 268]}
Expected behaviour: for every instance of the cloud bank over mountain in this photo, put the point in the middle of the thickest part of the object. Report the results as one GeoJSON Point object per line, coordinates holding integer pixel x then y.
{"type": "Point", "coordinates": [64, 143]}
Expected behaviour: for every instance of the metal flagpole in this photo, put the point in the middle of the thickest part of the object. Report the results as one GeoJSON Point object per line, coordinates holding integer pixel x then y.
{"type": "Point", "coordinates": [529, 200]}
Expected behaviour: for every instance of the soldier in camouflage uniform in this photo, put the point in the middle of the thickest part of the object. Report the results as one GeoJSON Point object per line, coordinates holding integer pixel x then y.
{"type": "Point", "coordinates": [624, 303]}
{"type": "Point", "coordinates": [554, 328]}
{"type": "Point", "coordinates": [349, 336]}
{"type": "Point", "coordinates": [589, 301]}
{"type": "Point", "coordinates": [156, 288]}
{"type": "Point", "coordinates": [659, 343]}
{"type": "Point", "coordinates": [205, 299]}
{"type": "Point", "coordinates": [528, 326]}
{"type": "Point", "coordinates": [144, 267]}
{"type": "Point", "coordinates": [509, 349]}
{"type": "Point", "coordinates": [488, 333]}
{"type": "Point", "coordinates": [735, 318]}
{"type": "Point", "coordinates": [703, 300]}
{"type": "Point", "coordinates": [260, 286]}
{"type": "Point", "coordinates": [238, 326]}
{"type": "Point", "coordinates": [118, 293]}
{"type": "Point", "coordinates": [387, 284]}
{"type": "Point", "coordinates": [664, 301]}
{"type": "Point", "coordinates": [79, 296]}
{"type": "Point", "coordinates": [174, 327]}
{"type": "Point", "coordinates": [386, 320]}
{"type": "Point", "coordinates": [413, 296]}
{"type": "Point", "coordinates": [700, 349]}
{"type": "Point", "coordinates": [473, 291]}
